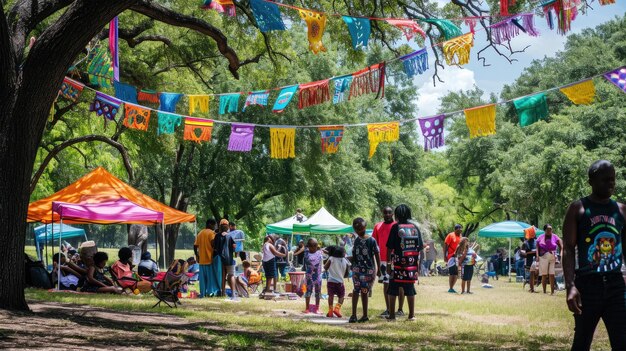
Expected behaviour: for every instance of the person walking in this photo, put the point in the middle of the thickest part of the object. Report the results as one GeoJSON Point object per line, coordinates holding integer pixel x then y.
{"type": "Point", "coordinates": [547, 244]}
{"type": "Point", "coordinates": [381, 235]}
{"type": "Point", "coordinates": [203, 249]}
{"type": "Point", "coordinates": [449, 248]}
{"type": "Point", "coordinates": [594, 227]}
{"type": "Point", "coordinates": [403, 249]}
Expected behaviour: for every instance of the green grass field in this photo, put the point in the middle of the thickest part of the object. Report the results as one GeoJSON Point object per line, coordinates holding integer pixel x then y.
{"type": "Point", "coordinates": [505, 317]}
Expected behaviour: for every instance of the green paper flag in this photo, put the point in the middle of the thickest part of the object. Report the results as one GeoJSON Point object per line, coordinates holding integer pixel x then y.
{"type": "Point", "coordinates": [531, 109]}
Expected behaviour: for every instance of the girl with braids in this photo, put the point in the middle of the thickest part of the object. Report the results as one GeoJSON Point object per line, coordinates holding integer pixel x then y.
{"type": "Point", "coordinates": [466, 259]}
{"type": "Point", "coordinates": [403, 250]}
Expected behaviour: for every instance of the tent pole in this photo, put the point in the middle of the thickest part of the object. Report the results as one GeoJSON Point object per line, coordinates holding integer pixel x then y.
{"type": "Point", "coordinates": [164, 246]}
{"type": "Point", "coordinates": [60, 253]}
{"type": "Point", "coordinates": [509, 260]}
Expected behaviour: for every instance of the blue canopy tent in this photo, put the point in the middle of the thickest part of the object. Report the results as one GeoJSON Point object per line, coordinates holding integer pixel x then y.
{"type": "Point", "coordinates": [51, 232]}
{"type": "Point", "coordinates": [507, 229]}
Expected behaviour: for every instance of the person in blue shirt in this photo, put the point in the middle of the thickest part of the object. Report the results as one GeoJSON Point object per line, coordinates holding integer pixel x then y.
{"type": "Point", "coordinates": [238, 237]}
{"type": "Point", "coordinates": [194, 267]}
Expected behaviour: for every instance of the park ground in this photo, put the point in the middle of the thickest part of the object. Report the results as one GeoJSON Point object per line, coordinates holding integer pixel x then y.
{"type": "Point", "coordinates": [505, 317]}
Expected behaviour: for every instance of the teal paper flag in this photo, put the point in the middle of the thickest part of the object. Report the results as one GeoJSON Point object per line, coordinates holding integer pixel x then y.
{"type": "Point", "coordinates": [229, 103]}
{"type": "Point", "coordinates": [284, 98]}
{"type": "Point", "coordinates": [359, 30]}
{"type": "Point", "coordinates": [531, 109]}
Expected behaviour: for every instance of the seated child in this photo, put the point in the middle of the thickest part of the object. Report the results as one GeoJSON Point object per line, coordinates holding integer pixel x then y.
{"type": "Point", "coordinates": [147, 266]}
{"type": "Point", "coordinates": [96, 280]}
{"type": "Point", "coordinates": [124, 272]}
{"type": "Point", "coordinates": [250, 276]}
{"type": "Point", "coordinates": [69, 277]}
{"type": "Point", "coordinates": [194, 267]}
{"type": "Point", "coordinates": [337, 267]}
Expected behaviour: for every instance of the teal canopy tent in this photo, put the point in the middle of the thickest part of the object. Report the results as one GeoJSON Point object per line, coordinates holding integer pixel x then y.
{"type": "Point", "coordinates": [51, 232]}
{"type": "Point", "coordinates": [507, 229]}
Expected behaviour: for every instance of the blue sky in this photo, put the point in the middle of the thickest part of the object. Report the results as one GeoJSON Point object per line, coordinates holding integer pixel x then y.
{"type": "Point", "coordinates": [501, 72]}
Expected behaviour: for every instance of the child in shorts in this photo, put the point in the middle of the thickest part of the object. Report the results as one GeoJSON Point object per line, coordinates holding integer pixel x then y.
{"type": "Point", "coordinates": [365, 262]}
{"type": "Point", "coordinates": [467, 260]}
{"type": "Point", "coordinates": [313, 263]}
{"type": "Point", "coordinates": [337, 267]}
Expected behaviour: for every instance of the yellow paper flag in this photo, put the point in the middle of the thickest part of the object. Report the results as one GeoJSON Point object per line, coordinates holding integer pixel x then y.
{"type": "Point", "coordinates": [282, 142]}
{"type": "Point", "coordinates": [198, 102]}
{"type": "Point", "coordinates": [316, 24]}
{"type": "Point", "coordinates": [581, 93]}
{"type": "Point", "coordinates": [379, 132]}
{"type": "Point", "coordinates": [481, 120]}
{"type": "Point", "coordinates": [459, 47]}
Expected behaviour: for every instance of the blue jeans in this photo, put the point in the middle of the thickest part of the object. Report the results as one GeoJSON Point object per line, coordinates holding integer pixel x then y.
{"type": "Point", "coordinates": [603, 296]}
{"type": "Point", "coordinates": [519, 268]}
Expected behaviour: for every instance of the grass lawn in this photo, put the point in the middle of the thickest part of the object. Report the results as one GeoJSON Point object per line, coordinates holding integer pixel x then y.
{"type": "Point", "coordinates": [505, 317]}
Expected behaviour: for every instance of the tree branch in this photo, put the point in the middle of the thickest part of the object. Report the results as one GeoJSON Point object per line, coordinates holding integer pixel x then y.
{"type": "Point", "coordinates": [7, 58]}
{"type": "Point", "coordinates": [87, 138]}
{"type": "Point", "coordinates": [155, 11]}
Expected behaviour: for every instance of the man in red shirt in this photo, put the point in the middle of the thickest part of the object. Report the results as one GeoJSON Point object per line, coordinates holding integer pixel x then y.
{"type": "Point", "coordinates": [449, 247]}
{"type": "Point", "coordinates": [381, 235]}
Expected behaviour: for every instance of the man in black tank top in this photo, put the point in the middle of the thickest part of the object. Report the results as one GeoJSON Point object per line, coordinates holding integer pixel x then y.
{"type": "Point", "coordinates": [595, 288]}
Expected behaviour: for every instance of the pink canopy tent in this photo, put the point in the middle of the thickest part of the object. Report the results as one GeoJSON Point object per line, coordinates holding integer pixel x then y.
{"type": "Point", "coordinates": [108, 212]}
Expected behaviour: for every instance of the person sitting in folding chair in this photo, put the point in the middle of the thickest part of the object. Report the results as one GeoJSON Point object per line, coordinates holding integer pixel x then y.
{"type": "Point", "coordinates": [250, 278]}
{"type": "Point", "coordinates": [122, 273]}
{"type": "Point", "coordinates": [166, 291]}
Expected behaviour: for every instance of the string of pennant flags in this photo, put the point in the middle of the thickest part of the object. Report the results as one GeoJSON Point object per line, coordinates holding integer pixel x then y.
{"type": "Point", "coordinates": [481, 120]}
{"type": "Point", "coordinates": [456, 51]}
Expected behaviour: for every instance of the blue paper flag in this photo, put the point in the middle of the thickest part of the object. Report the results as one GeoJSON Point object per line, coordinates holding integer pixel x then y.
{"type": "Point", "coordinates": [415, 62]}
{"type": "Point", "coordinates": [284, 98]}
{"type": "Point", "coordinates": [169, 101]}
{"type": "Point", "coordinates": [125, 92]}
{"type": "Point", "coordinates": [229, 103]}
{"type": "Point", "coordinates": [342, 87]}
{"type": "Point", "coordinates": [359, 30]}
{"type": "Point", "coordinates": [256, 98]}
{"type": "Point", "coordinates": [267, 15]}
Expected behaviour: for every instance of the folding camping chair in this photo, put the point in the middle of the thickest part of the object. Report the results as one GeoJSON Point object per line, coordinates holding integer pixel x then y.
{"type": "Point", "coordinates": [167, 290]}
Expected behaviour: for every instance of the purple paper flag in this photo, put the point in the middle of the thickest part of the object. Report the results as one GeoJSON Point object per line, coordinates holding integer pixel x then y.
{"type": "Point", "coordinates": [432, 130]}
{"type": "Point", "coordinates": [617, 77]}
{"type": "Point", "coordinates": [241, 136]}
{"type": "Point", "coordinates": [105, 105]}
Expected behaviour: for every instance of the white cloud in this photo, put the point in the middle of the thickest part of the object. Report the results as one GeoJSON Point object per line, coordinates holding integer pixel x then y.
{"type": "Point", "coordinates": [455, 79]}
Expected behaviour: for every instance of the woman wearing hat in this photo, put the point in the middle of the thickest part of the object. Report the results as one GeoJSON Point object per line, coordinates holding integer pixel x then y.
{"type": "Point", "coordinates": [147, 267]}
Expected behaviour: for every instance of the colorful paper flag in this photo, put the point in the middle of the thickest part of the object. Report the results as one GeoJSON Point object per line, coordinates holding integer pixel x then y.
{"type": "Point", "coordinates": [267, 15]}
{"type": "Point", "coordinates": [457, 51]}
{"type": "Point", "coordinates": [369, 80]}
{"type": "Point", "coordinates": [432, 131]}
{"type": "Point", "coordinates": [229, 103]}
{"type": "Point", "coordinates": [408, 27]}
{"type": "Point", "coordinates": [448, 29]}
{"type": "Point", "coordinates": [511, 27]}
{"type": "Point", "coordinates": [331, 136]}
{"type": "Point", "coordinates": [125, 92]}
{"type": "Point", "coordinates": [71, 89]}
{"type": "Point", "coordinates": [105, 105]}
{"type": "Point", "coordinates": [415, 62]}
{"type": "Point", "coordinates": [114, 48]}
{"type": "Point", "coordinates": [147, 95]}
{"type": "Point", "coordinates": [136, 117]}
{"type": "Point", "coordinates": [342, 87]}
{"type": "Point", "coordinates": [198, 102]}
{"type": "Point", "coordinates": [582, 93]}
{"type": "Point", "coordinates": [284, 98]}
{"type": "Point", "coordinates": [168, 122]}
{"type": "Point", "coordinates": [481, 120]}
{"type": "Point", "coordinates": [382, 132]}
{"type": "Point", "coordinates": [313, 93]}
{"type": "Point", "coordinates": [221, 6]}
{"type": "Point", "coordinates": [316, 24]}
{"type": "Point", "coordinates": [256, 98]}
{"type": "Point", "coordinates": [531, 109]}
{"type": "Point", "coordinates": [283, 143]}
{"type": "Point", "coordinates": [99, 68]}
{"type": "Point", "coordinates": [359, 29]}
{"type": "Point", "coordinates": [168, 101]}
{"type": "Point", "coordinates": [198, 129]}
{"type": "Point", "coordinates": [241, 137]}
{"type": "Point", "coordinates": [617, 77]}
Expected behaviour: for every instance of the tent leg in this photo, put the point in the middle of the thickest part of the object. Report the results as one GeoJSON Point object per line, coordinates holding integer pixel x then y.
{"type": "Point", "coordinates": [164, 246]}
{"type": "Point", "coordinates": [60, 253]}
{"type": "Point", "coordinates": [509, 260]}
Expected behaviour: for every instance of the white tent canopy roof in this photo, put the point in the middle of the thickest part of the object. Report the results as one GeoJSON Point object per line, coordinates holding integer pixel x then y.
{"type": "Point", "coordinates": [322, 222]}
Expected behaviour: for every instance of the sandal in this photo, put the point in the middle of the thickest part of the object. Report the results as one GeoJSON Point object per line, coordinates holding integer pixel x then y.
{"type": "Point", "coordinates": [352, 319]}
{"type": "Point", "coordinates": [363, 319]}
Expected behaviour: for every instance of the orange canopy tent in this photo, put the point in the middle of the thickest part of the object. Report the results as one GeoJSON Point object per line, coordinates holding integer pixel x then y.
{"type": "Point", "coordinates": [101, 186]}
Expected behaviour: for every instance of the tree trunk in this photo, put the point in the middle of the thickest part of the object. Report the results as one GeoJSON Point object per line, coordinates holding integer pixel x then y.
{"type": "Point", "coordinates": [27, 92]}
